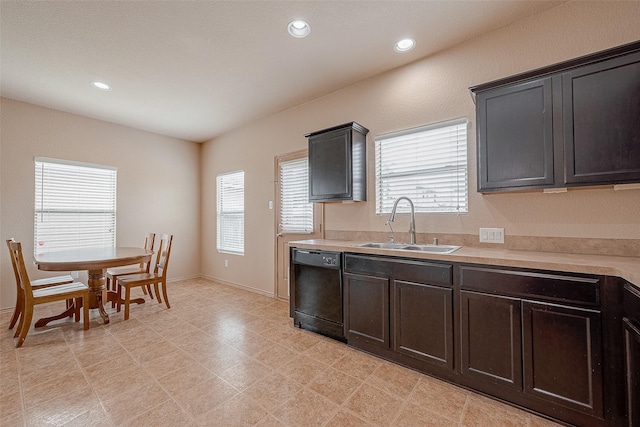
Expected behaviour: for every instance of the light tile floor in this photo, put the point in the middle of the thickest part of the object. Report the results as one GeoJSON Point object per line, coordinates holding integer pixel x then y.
{"type": "Point", "coordinates": [220, 356]}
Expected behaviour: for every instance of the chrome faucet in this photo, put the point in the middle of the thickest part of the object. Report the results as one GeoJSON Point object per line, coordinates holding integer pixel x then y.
{"type": "Point", "coordinates": [412, 224]}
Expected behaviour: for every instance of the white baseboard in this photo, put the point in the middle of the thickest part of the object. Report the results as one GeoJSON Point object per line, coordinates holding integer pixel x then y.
{"type": "Point", "coordinates": [239, 286]}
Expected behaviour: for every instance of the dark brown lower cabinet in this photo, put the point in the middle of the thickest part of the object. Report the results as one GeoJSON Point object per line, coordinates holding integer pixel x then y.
{"type": "Point", "coordinates": [491, 337]}
{"type": "Point", "coordinates": [547, 341]}
{"type": "Point", "coordinates": [423, 322]}
{"type": "Point", "coordinates": [529, 351]}
{"type": "Point", "coordinates": [366, 310]}
{"type": "Point", "coordinates": [562, 356]}
{"type": "Point", "coordinates": [632, 372]}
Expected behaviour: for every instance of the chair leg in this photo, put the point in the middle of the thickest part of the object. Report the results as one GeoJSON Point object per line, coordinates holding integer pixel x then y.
{"type": "Point", "coordinates": [14, 318]}
{"type": "Point", "coordinates": [155, 286]}
{"type": "Point", "coordinates": [111, 286]}
{"type": "Point", "coordinates": [76, 308]}
{"type": "Point", "coordinates": [69, 304]}
{"type": "Point", "coordinates": [18, 309]}
{"type": "Point", "coordinates": [119, 292]}
{"type": "Point", "coordinates": [20, 323]}
{"type": "Point", "coordinates": [25, 322]}
{"type": "Point", "coordinates": [164, 294]}
{"type": "Point", "coordinates": [85, 309]}
{"type": "Point", "coordinates": [127, 301]}
{"type": "Point", "coordinates": [148, 291]}
{"type": "Point", "coordinates": [16, 313]}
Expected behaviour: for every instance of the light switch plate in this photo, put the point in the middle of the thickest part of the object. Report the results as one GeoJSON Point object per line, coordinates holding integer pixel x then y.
{"type": "Point", "coordinates": [492, 235]}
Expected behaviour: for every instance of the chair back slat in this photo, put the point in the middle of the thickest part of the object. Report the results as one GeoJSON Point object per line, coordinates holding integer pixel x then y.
{"type": "Point", "coordinates": [163, 253]}
{"type": "Point", "coordinates": [13, 264]}
{"type": "Point", "coordinates": [149, 241]}
{"type": "Point", "coordinates": [23, 277]}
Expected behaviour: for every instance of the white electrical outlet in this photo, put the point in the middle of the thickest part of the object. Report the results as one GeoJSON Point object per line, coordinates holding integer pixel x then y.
{"type": "Point", "coordinates": [226, 263]}
{"type": "Point", "coordinates": [492, 235]}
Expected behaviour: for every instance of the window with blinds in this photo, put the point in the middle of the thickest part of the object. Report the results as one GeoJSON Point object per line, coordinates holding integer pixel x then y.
{"type": "Point", "coordinates": [75, 205]}
{"type": "Point", "coordinates": [230, 210]}
{"type": "Point", "coordinates": [296, 213]}
{"type": "Point", "coordinates": [427, 164]}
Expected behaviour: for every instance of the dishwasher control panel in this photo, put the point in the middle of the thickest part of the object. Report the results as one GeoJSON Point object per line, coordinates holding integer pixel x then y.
{"type": "Point", "coordinates": [330, 260]}
{"type": "Point", "coordinates": [317, 258]}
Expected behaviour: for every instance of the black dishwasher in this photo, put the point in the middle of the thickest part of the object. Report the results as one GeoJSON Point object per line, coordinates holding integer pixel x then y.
{"type": "Point", "coordinates": [316, 291]}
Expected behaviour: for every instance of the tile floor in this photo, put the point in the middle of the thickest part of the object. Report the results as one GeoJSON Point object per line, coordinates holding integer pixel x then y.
{"type": "Point", "coordinates": [220, 356]}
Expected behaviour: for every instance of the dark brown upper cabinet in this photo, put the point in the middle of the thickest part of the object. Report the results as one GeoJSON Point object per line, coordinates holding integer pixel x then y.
{"type": "Point", "coordinates": [515, 136]}
{"type": "Point", "coordinates": [572, 124]}
{"type": "Point", "coordinates": [601, 108]}
{"type": "Point", "coordinates": [337, 164]}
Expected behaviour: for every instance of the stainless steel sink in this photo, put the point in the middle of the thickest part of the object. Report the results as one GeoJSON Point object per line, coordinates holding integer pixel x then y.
{"type": "Point", "coordinates": [384, 245]}
{"type": "Point", "coordinates": [436, 249]}
{"type": "Point", "coordinates": [439, 249]}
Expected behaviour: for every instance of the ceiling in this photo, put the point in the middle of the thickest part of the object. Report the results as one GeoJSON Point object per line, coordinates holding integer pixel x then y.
{"type": "Point", "coordinates": [197, 69]}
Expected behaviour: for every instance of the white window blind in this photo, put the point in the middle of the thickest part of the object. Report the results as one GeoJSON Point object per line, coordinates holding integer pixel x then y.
{"type": "Point", "coordinates": [75, 205]}
{"type": "Point", "coordinates": [426, 164]}
{"type": "Point", "coordinates": [230, 208]}
{"type": "Point", "coordinates": [296, 213]}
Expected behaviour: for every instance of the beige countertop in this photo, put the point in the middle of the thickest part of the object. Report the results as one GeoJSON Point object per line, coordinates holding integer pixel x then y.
{"type": "Point", "coordinates": [627, 268]}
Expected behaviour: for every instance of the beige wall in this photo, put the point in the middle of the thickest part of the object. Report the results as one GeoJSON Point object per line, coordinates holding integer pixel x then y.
{"type": "Point", "coordinates": [158, 181]}
{"type": "Point", "coordinates": [168, 185]}
{"type": "Point", "coordinates": [427, 91]}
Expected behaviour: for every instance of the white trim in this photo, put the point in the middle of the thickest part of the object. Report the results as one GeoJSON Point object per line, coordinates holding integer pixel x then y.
{"type": "Point", "coordinates": [74, 163]}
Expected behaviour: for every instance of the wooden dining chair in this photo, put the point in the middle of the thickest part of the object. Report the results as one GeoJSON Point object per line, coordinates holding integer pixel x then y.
{"type": "Point", "coordinates": [155, 278]}
{"type": "Point", "coordinates": [112, 274]}
{"type": "Point", "coordinates": [35, 284]}
{"type": "Point", "coordinates": [32, 297]}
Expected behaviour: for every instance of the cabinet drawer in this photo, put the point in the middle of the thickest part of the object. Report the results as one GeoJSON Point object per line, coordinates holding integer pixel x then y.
{"type": "Point", "coordinates": [579, 290]}
{"type": "Point", "coordinates": [400, 269]}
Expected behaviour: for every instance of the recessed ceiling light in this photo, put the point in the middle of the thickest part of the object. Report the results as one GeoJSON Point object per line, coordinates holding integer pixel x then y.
{"type": "Point", "coordinates": [405, 45]}
{"type": "Point", "coordinates": [299, 28]}
{"type": "Point", "coordinates": [101, 86]}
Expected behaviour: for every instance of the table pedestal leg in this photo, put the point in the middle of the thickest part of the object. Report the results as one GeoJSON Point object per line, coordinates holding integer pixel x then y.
{"type": "Point", "coordinates": [98, 292]}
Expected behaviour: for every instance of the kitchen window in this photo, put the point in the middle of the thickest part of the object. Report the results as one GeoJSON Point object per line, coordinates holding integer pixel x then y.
{"type": "Point", "coordinates": [427, 164]}
{"type": "Point", "coordinates": [75, 205]}
{"type": "Point", "coordinates": [296, 212]}
{"type": "Point", "coordinates": [230, 211]}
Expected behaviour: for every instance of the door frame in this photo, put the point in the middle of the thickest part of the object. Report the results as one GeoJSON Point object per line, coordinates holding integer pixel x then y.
{"type": "Point", "coordinates": [318, 221]}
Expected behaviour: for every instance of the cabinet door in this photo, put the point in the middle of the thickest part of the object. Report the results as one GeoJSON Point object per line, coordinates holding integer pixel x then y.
{"type": "Point", "coordinates": [562, 356]}
{"type": "Point", "coordinates": [423, 322]}
{"type": "Point", "coordinates": [601, 104]}
{"type": "Point", "coordinates": [491, 339]}
{"type": "Point", "coordinates": [632, 358]}
{"type": "Point", "coordinates": [515, 136]}
{"type": "Point", "coordinates": [330, 169]}
{"type": "Point", "coordinates": [367, 310]}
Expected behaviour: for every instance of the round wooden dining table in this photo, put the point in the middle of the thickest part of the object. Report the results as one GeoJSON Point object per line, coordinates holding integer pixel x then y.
{"type": "Point", "coordinates": [96, 261]}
